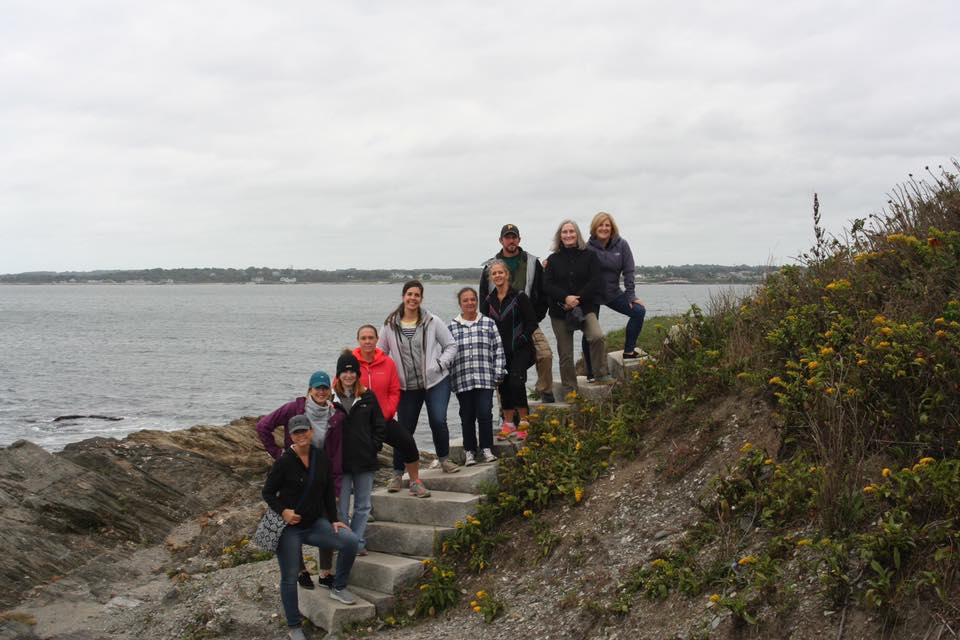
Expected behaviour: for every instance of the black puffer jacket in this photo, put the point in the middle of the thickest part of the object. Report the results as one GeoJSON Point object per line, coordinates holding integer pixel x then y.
{"type": "Point", "coordinates": [572, 272]}
{"type": "Point", "coordinates": [362, 433]}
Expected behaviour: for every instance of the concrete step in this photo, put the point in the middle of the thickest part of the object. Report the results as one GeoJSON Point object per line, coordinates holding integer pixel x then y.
{"type": "Point", "coordinates": [384, 602]}
{"type": "Point", "coordinates": [540, 407]}
{"type": "Point", "coordinates": [385, 572]}
{"type": "Point", "coordinates": [587, 390]}
{"type": "Point", "coordinates": [620, 368]}
{"type": "Point", "coordinates": [467, 480]}
{"type": "Point", "coordinates": [404, 538]}
{"type": "Point", "coordinates": [327, 613]}
{"type": "Point", "coordinates": [442, 508]}
{"type": "Point", "coordinates": [501, 449]}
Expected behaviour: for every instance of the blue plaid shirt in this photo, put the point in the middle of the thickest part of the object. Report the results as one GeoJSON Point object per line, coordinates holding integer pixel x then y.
{"type": "Point", "coordinates": [480, 362]}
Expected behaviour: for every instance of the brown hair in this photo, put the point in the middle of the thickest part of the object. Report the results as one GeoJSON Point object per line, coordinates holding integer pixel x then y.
{"type": "Point", "coordinates": [368, 326]}
{"type": "Point", "coordinates": [397, 313]}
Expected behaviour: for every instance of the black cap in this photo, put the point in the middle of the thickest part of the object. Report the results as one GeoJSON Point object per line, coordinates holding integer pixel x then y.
{"type": "Point", "coordinates": [508, 229]}
{"type": "Point", "coordinates": [348, 362]}
{"type": "Point", "coordinates": [298, 423]}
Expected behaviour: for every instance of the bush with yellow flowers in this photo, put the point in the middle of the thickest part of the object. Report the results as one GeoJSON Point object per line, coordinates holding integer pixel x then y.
{"type": "Point", "coordinates": [437, 590]}
{"type": "Point", "coordinates": [487, 605]}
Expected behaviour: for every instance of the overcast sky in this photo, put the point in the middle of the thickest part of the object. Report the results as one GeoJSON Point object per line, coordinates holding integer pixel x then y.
{"type": "Point", "coordinates": [403, 134]}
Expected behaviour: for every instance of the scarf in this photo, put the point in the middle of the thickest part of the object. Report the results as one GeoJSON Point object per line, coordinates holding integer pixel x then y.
{"type": "Point", "coordinates": [319, 417]}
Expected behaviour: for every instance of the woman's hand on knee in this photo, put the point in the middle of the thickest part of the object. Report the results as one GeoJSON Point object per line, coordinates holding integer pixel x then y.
{"type": "Point", "coordinates": [290, 516]}
{"type": "Point", "coordinates": [338, 526]}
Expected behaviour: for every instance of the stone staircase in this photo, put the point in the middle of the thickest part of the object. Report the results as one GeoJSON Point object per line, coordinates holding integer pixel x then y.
{"type": "Point", "coordinates": [406, 528]}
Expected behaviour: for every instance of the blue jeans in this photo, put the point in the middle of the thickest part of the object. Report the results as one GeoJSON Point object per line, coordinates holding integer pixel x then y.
{"type": "Point", "coordinates": [437, 398]}
{"type": "Point", "coordinates": [476, 412]}
{"type": "Point", "coordinates": [361, 484]}
{"type": "Point", "coordinates": [319, 534]}
{"type": "Point", "coordinates": [620, 304]}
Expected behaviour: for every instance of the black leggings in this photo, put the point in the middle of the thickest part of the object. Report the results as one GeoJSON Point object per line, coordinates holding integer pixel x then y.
{"type": "Point", "coordinates": [404, 446]}
{"type": "Point", "coordinates": [513, 388]}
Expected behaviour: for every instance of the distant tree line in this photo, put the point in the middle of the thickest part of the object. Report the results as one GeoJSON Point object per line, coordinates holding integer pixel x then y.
{"type": "Point", "coordinates": [697, 273]}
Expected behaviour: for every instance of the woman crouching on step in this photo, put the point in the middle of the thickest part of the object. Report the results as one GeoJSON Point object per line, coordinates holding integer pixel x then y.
{"type": "Point", "coordinates": [362, 434]}
{"type": "Point", "coordinates": [299, 487]}
{"type": "Point", "coordinates": [379, 374]}
{"type": "Point", "coordinates": [423, 351]}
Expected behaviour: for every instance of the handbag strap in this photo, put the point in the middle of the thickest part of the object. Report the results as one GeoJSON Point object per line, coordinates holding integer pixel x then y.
{"type": "Point", "coordinates": [310, 477]}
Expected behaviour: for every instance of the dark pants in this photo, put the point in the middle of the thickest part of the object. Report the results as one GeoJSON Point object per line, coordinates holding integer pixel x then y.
{"type": "Point", "coordinates": [636, 313]}
{"type": "Point", "coordinates": [319, 534]}
{"type": "Point", "coordinates": [405, 449]}
{"type": "Point", "coordinates": [513, 388]}
{"type": "Point", "coordinates": [476, 413]}
{"type": "Point", "coordinates": [436, 398]}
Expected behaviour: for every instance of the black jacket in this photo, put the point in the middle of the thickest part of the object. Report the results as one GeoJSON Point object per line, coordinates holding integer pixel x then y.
{"type": "Point", "coordinates": [572, 272]}
{"type": "Point", "coordinates": [515, 318]}
{"type": "Point", "coordinates": [533, 289]}
{"type": "Point", "coordinates": [362, 433]}
{"type": "Point", "coordinates": [285, 484]}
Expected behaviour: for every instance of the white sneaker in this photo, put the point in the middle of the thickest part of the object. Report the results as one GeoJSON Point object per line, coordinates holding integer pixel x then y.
{"type": "Point", "coordinates": [487, 456]}
{"type": "Point", "coordinates": [435, 464]}
{"type": "Point", "coordinates": [468, 459]}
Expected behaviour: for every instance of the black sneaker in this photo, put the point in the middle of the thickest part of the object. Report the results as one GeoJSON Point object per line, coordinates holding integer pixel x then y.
{"type": "Point", "coordinates": [547, 398]}
{"type": "Point", "coordinates": [304, 580]}
{"type": "Point", "coordinates": [325, 581]}
{"type": "Point", "coordinates": [630, 355]}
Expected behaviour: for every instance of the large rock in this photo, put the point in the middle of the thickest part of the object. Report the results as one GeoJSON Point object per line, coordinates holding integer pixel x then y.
{"type": "Point", "coordinates": [57, 511]}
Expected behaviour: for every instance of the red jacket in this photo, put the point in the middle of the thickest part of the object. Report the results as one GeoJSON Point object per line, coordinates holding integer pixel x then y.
{"type": "Point", "coordinates": [380, 376]}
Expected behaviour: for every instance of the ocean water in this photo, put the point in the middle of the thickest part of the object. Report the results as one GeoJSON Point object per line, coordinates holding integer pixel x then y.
{"type": "Point", "coordinates": [173, 356]}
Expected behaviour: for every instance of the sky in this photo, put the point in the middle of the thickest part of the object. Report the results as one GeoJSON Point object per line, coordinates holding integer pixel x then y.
{"type": "Point", "coordinates": [378, 134]}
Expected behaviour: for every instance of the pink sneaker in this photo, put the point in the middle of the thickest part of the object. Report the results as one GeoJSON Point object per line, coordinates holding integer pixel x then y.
{"type": "Point", "coordinates": [507, 430]}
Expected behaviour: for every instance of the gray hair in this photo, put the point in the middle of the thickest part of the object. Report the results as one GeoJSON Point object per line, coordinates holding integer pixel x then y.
{"type": "Point", "coordinates": [558, 244]}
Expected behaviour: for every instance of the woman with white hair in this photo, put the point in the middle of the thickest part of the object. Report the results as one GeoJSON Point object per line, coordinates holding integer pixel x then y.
{"type": "Point", "coordinates": [571, 281]}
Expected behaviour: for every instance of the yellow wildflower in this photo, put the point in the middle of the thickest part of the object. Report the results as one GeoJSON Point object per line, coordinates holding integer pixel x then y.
{"type": "Point", "coordinates": [477, 609]}
{"type": "Point", "coordinates": [528, 513]}
{"type": "Point", "coordinates": [926, 461]}
{"type": "Point", "coordinates": [803, 542]}
{"type": "Point", "coordinates": [552, 439]}
{"type": "Point", "coordinates": [826, 351]}
{"type": "Point", "coordinates": [829, 391]}
{"type": "Point", "coordinates": [578, 494]}
{"type": "Point", "coordinates": [571, 396]}
{"type": "Point", "coordinates": [474, 603]}
{"type": "Point", "coordinates": [426, 562]}
{"type": "Point", "coordinates": [578, 446]}
{"type": "Point", "coordinates": [768, 461]}
{"type": "Point", "coordinates": [920, 361]}
{"type": "Point", "coordinates": [424, 587]}
{"type": "Point", "coordinates": [940, 321]}
{"type": "Point", "coordinates": [941, 334]}
{"type": "Point", "coordinates": [862, 362]}
{"type": "Point", "coordinates": [658, 563]}
{"type": "Point", "coordinates": [775, 380]}
{"type": "Point", "coordinates": [714, 598]}
{"type": "Point", "coordinates": [745, 560]}
{"type": "Point", "coordinates": [878, 320]}
{"type": "Point", "coordinates": [883, 344]}
{"type": "Point", "coordinates": [870, 488]}
{"type": "Point", "coordinates": [886, 472]}
{"type": "Point", "coordinates": [813, 364]}
{"type": "Point", "coordinates": [885, 331]}
{"type": "Point", "coordinates": [554, 423]}
{"type": "Point", "coordinates": [746, 448]}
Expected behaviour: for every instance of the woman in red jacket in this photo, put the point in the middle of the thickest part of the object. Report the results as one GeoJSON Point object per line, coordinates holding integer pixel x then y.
{"type": "Point", "coordinates": [379, 374]}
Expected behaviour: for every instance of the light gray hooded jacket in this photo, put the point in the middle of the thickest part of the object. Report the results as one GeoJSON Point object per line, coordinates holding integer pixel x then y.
{"type": "Point", "coordinates": [440, 349]}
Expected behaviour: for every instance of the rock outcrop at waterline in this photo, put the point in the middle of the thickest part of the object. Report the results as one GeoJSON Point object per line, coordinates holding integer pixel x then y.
{"type": "Point", "coordinates": [57, 511]}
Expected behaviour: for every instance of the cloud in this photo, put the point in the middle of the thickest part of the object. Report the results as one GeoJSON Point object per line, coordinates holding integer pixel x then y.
{"type": "Point", "coordinates": [375, 134]}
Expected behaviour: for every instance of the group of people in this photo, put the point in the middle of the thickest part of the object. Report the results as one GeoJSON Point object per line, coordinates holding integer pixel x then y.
{"type": "Point", "coordinates": [333, 434]}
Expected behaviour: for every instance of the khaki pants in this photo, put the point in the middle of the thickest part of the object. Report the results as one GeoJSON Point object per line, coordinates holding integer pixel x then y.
{"type": "Point", "coordinates": [598, 349]}
{"type": "Point", "coordinates": [544, 361]}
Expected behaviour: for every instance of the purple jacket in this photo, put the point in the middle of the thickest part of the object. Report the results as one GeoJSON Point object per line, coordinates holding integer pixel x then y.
{"type": "Point", "coordinates": [332, 444]}
{"type": "Point", "coordinates": [615, 259]}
